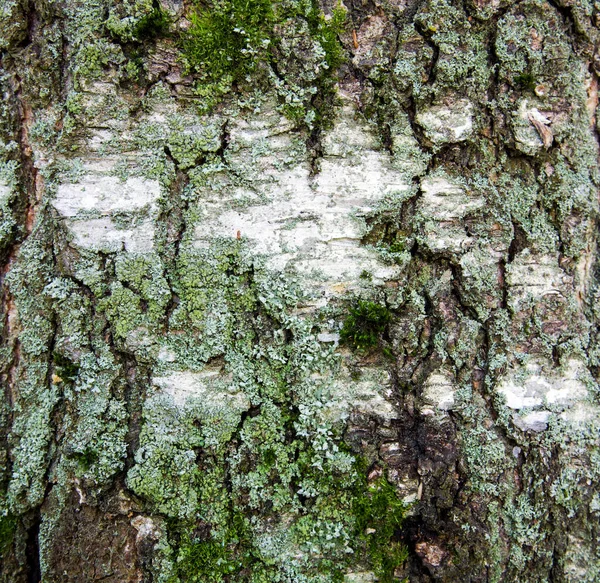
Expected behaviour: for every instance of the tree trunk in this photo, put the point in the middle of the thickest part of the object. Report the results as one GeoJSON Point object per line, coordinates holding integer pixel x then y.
{"type": "Point", "coordinates": [299, 292]}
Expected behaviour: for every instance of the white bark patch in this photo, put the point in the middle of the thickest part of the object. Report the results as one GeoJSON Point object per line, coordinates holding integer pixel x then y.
{"type": "Point", "coordinates": [442, 207]}
{"type": "Point", "coordinates": [533, 277]}
{"type": "Point", "coordinates": [536, 421]}
{"type": "Point", "coordinates": [370, 401]}
{"type": "Point", "coordinates": [105, 213]}
{"type": "Point", "coordinates": [532, 388]}
{"type": "Point", "coordinates": [438, 391]}
{"type": "Point", "coordinates": [105, 194]}
{"type": "Point", "coordinates": [146, 528]}
{"type": "Point", "coordinates": [203, 387]}
{"type": "Point", "coordinates": [447, 124]}
{"type": "Point", "coordinates": [5, 192]}
{"type": "Point", "coordinates": [329, 337]}
{"type": "Point", "coordinates": [344, 140]}
{"type": "Point", "coordinates": [360, 577]}
{"type": "Point", "coordinates": [368, 395]}
{"type": "Point", "coordinates": [313, 226]}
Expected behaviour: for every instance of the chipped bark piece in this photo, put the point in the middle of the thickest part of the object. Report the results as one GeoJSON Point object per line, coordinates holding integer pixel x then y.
{"type": "Point", "coordinates": [447, 123]}
{"type": "Point", "coordinates": [541, 125]}
{"type": "Point", "coordinates": [432, 554]}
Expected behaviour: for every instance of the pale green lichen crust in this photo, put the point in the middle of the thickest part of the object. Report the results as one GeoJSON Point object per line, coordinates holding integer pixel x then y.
{"type": "Point", "coordinates": [299, 292]}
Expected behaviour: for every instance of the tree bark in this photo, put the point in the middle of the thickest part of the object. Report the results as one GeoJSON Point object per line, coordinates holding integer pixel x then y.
{"type": "Point", "coordinates": [320, 305]}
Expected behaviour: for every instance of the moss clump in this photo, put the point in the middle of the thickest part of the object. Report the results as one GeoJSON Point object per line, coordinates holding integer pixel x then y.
{"type": "Point", "coordinates": [153, 25]}
{"type": "Point", "coordinates": [326, 32]}
{"type": "Point", "coordinates": [365, 324]}
{"type": "Point", "coordinates": [66, 369]}
{"type": "Point", "coordinates": [526, 81]}
{"type": "Point", "coordinates": [87, 459]}
{"type": "Point", "coordinates": [205, 559]}
{"type": "Point", "coordinates": [379, 514]}
{"type": "Point", "coordinates": [397, 247]}
{"type": "Point", "coordinates": [8, 524]}
{"type": "Point", "coordinates": [227, 40]}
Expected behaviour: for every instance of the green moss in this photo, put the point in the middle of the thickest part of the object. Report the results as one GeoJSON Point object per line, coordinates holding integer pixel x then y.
{"type": "Point", "coordinates": [326, 31]}
{"type": "Point", "coordinates": [379, 514]}
{"type": "Point", "coordinates": [365, 324]}
{"type": "Point", "coordinates": [87, 459]}
{"type": "Point", "coordinates": [525, 81]}
{"type": "Point", "coordinates": [206, 559]}
{"type": "Point", "coordinates": [397, 247]}
{"type": "Point", "coordinates": [229, 40]}
{"type": "Point", "coordinates": [8, 525]}
{"type": "Point", "coordinates": [153, 25]}
{"type": "Point", "coordinates": [226, 41]}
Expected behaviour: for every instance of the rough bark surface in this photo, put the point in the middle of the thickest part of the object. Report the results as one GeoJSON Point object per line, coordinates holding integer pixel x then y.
{"type": "Point", "coordinates": [326, 313]}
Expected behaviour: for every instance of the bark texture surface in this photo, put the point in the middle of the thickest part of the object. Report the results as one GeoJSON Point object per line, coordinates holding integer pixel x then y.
{"type": "Point", "coordinates": [299, 293]}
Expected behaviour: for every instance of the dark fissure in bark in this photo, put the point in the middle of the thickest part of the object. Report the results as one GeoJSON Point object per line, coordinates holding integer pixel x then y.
{"type": "Point", "coordinates": [32, 551]}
